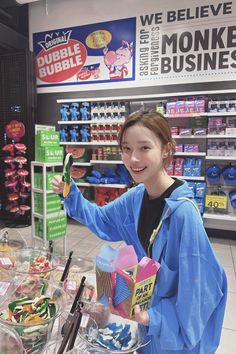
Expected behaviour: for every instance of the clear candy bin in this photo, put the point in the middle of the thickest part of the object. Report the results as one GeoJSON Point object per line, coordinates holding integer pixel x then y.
{"type": "Point", "coordinates": [38, 262]}
{"type": "Point", "coordinates": [115, 335]}
{"type": "Point", "coordinates": [10, 341]}
{"type": "Point", "coordinates": [30, 306]}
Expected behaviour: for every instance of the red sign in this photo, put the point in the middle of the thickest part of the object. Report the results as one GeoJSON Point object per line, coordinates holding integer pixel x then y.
{"type": "Point", "coordinates": [61, 62]}
{"type": "Point", "coordinates": [84, 75]}
{"type": "Point", "coordinates": [15, 130]}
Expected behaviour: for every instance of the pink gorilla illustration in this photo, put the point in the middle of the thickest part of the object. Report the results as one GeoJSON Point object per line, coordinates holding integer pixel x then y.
{"type": "Point", "coordinates": [116, 60]}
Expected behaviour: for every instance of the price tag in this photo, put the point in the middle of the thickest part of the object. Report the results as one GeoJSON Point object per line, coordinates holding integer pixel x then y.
{"type": "Point", "coordinates": [3, 287]}
{"type": "Point", "coordinates": [216, 201]}
{"type": "Point", "coordinates": [5, 261]}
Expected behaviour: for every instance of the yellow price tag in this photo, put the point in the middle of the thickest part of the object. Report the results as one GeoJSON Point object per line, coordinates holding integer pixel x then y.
{"type": "Point", "coordinates": [216, 201]}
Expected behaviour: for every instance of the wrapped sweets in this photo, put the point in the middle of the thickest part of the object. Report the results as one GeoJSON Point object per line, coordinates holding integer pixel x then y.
{"type": "Point", "coordinates": [31, 312]}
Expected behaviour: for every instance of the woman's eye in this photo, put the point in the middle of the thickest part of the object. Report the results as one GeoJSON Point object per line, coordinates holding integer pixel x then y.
{"type": "Point", "coordinates": [145, 148]}
{"type": "Point", "coordinates": [125, 149]}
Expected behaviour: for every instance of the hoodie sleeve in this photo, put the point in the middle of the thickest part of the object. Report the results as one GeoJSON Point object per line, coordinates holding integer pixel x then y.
{"type": "Point", "coordinates": [191, 298]}
{"type": "Point", "coordinates": [104, 221]}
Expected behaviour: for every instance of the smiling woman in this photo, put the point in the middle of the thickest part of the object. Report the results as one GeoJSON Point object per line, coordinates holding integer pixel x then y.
{"type": "Point", "coordinates": [161, 220]}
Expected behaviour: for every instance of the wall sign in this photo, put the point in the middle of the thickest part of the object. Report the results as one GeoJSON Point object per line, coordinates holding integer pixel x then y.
{"type": "Point", "coordinates": [97, 53]}
{"type": "Point", "coordinates": [174, 45]}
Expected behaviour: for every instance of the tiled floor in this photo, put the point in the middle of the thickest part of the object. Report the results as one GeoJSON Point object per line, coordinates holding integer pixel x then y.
{"type": "Point", "coordinates": [84, 243]}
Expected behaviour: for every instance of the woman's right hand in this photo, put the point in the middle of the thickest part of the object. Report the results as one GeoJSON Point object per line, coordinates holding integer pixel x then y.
{"type": "Point", "coordinates": [58, 184]}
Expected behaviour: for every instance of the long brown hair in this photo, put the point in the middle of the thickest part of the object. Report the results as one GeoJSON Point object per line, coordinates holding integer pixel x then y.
{"type": "Point", "coordinates": [155, 122]}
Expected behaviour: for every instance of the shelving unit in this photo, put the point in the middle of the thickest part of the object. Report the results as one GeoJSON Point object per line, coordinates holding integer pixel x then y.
{"type": "Point", "coordinates": [44, 216]}
{"type": "Point", "coordinates": [213, 220]}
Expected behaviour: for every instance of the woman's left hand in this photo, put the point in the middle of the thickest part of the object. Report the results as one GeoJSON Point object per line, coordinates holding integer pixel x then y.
{"type": "Point", "coordinates": [139, 316]}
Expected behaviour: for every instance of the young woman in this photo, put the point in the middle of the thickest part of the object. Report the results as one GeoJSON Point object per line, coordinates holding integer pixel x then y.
{"type": "Point", "coordinates": [160, 219]}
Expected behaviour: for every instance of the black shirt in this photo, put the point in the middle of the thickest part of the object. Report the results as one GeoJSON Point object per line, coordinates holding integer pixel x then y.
{"type": "Point", "coordinates": [150, 213]}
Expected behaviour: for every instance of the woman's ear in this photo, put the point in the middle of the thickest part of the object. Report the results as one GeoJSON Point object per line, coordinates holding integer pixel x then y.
{"type": "Point", "coordinates": [166, 151]}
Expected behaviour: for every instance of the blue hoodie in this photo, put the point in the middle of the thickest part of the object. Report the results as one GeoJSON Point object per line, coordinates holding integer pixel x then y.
{"type": "Point", "coordinates": [189, 298]}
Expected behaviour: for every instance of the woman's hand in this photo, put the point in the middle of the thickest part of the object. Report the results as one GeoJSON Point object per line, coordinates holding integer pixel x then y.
{"type": "Point", "coordinates": [58, 185]}
{"type": "Point", "coordinates": [139, 316]}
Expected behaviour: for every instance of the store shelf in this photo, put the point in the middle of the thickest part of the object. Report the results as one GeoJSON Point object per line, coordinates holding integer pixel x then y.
{"type": "Point", "coordinates": [185, 115]}
{"type": "Point", "coordinates": [41, 216]}
{"type": "Point", "coordinates": [38, 190]}
{"type": "Point", "coordinates": [219, 114]}
{"type": "Point", "coordinates": [189, 136]}
{"type": "Point", "coordinates": [84, 184]}
{"type": "Point", "coordinates": [215, 216]}
{"type": "Point", "coordinates": [221, 158]}
{"type": "Point", "coordinates": [190, 154]}
{"type": "Point", "coordinates": [190, 178]}
{"type": "Point", "coordinates": [46, 164]}
{"type": "Point", "coordinates": [218, 136]}
{"type": "Point", "coordinates": [94, 143]}
{"type": "Point", "coordinates": [106, 162]}
{"type": "Point", "coordinates": [91, 121]}
{"type": "Point", "coordinates": [82, 163]}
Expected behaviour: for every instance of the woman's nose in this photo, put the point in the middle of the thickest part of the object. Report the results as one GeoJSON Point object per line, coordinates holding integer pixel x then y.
{"type": "Point", "coordinates": [134, 156]}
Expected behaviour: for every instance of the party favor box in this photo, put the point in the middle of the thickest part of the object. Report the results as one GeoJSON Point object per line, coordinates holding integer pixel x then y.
{"type": "Point", "coordinates": [125, 280]}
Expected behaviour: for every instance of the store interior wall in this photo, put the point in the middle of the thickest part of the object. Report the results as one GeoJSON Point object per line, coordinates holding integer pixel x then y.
{"type": "Point", "coordinates": [53, 14]}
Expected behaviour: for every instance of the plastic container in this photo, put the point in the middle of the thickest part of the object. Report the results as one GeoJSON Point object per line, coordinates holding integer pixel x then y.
{"type": "Point", "coordinates": [134, 333]}
{"type": "Point", "coordinates": [38, 262]}
{"type": "Point", "coordinates": [79, 267]}
{"type": "Point", "coordinates": [36, 320]}
{"type": "Point", "coordinates": [10, 341]}
{"type": "Point", "coordinates": [9, 243]}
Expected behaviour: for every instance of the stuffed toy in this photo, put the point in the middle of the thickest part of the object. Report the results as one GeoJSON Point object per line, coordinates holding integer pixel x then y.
{"type": "Point", "coordinates": [84, 111]}
{"type": "Point", "coordinates": [64, 112]}
{"type": "Point", "coordinates": [63, 134]}
{"type": "Point", "coordinates": [74, 113]}
{"type": "Point", "coordinates": [73, 134]}
{"type": "Point", "coordinates": [84, 133]}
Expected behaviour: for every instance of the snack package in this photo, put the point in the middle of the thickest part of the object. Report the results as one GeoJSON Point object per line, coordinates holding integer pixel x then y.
{"type": "Point", "coordinates": [126, 281]}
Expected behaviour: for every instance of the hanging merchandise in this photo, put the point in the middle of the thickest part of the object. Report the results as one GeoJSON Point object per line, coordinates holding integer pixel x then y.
{"type": "Point", "coordinates": [15, 170]}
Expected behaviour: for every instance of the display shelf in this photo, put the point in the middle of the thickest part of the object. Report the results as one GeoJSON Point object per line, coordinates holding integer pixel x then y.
{"type": "Point", "coordinates": [38, 190]}
{"type": "Point", "coordinates": [185, 115]}
{"type": "Point", "coordinates": [190, 154]}
{"type": "Point", "coordinates": [40, 216]}
{"type": "Point", "coordinates": [219, 114]}
{"type": "Point", "coordinates": [85, 184]}
{"type": "Point", "coordinates": [106, 162]}
{"type": "Point", "coordinates": [221, 158]}
{"type": "Point", "coordinates": [94, 143]}
{"type": "Point", "coordinates": [189, 136]}
{"type": "Point", "coordinates": [191, 178]}
{"type": "Point", "coordinates": [218, 136]}
{"type": "Point", "coordinates": [82, 163]}
{"type": "Point", "coordinates": [44, 216]}
{"type": "Point", "coordinates": [182, 121]}
{"type": "Point", "coordinates": [46, 164]}
{"type": "Point", "coordinates": [91, 121]}
{"type": "Point", "coordinates": [217, 216]}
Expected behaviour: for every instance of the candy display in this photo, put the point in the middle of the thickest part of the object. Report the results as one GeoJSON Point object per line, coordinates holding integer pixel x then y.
{"type": "Point", "coordinates": [118, 335]}
{"type": "Point", "coordinates": [30, 309]}
{"type": "Point", "coordinates": [29, 261]}
{"type": "Point", "coordinates": [79, 266]}
{"type": "Point", "coordinates": [10, 341]}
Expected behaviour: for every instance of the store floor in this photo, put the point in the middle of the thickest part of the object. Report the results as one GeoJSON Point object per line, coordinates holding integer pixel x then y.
{"type": "Point", "coordinates": [84, 243]}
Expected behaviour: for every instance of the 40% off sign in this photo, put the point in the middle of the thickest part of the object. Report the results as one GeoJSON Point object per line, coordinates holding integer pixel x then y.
{"type": "Point", "coordinates": [216, 201]}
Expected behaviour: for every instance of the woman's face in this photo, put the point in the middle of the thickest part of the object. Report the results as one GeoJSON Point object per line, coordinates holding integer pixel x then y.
{"type": "Point", "coordinates": [142, 154]}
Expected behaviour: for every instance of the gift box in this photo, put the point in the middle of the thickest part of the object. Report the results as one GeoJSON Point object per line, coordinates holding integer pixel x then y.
{"type": "Point", "coordinates": [126, 281]}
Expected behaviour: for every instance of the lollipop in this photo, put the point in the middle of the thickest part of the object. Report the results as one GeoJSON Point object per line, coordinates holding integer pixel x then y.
{"type": "Point", "coordinates": [21, 160]}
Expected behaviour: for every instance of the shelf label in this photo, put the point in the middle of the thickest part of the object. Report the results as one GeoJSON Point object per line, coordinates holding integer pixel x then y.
{"type": "Point", "coordinates": [216, 201]}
